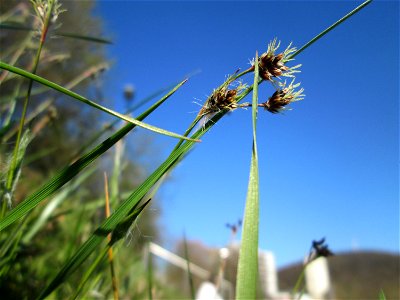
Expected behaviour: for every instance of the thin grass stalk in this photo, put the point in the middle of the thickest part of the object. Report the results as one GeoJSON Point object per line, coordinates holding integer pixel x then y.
{"type": "Point", "coordinates": [320, 35]}
{"type": "Point", "coordinates": [114, 282]}
{"type": "Point", "coordinates": [189, 273]}
{"type": "Point", "coordinates": [39, 109]}
{"type": "Point", "coordinates": [116, 237]}
{"type": "Point", "coordinates": [247, 277]}
{"type": "Point", "coordinates": [149, 273]}
{"type": "Point", "coordinates": [44, 30]}
{"type": "Point", "coordinates": [299, 282]}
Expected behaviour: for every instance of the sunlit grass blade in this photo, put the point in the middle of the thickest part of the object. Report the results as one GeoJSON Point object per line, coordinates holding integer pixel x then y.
{"type": "Point", "coordinates": [78, 97]}
{"type": "Point", "coordinates": [247, 276]}
{"type": "Point", "coordinates": [71, 171]}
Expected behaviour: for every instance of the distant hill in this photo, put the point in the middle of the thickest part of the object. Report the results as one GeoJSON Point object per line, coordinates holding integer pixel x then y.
{"type": "Point", "coordinates": [355, 275]}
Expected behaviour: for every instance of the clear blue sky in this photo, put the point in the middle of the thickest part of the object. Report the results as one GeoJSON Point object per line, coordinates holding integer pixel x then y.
{"type": "Point", "coordinates": [328, 168]}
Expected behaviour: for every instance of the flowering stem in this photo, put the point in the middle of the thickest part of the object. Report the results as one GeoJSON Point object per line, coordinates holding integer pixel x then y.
{"type": "Point", "coordinates": [44, 30]}
{"type": "Point", "coordinates": [312, 41]}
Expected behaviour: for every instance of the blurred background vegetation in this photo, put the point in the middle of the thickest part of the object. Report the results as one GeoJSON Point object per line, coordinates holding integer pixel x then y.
{"type": "Point", "coordinates": [60, 131]}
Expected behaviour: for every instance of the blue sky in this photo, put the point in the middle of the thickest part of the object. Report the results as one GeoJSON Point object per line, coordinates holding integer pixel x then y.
{"type": "Point", "coordinates": [328, 168]}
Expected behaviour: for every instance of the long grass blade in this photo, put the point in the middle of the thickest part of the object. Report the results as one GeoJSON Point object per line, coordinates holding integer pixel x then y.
{"type": "Point", "coordinates": [189, 273]}
{"type": "Point", "coordinates": [71, 171]}
{"type": "Point", "coordinates": [247, 277]}
{"type": "Point", "coordinates": [18, 26]}
{"type": "Point", "coordinates": [78, 97]}
{"type": "Point", "coordinates": [83, 37]}
{"type": "Point", "coordinates": [114, 281]}
{"type": "Point", "coordinates": [149, 273]}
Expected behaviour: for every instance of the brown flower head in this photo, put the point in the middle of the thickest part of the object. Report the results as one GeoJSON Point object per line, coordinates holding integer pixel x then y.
{"type": "Point", "coordinates": [321, 249]}
{"type": "Point", "coordinates": [318, 249]}
{"type": "Point", "coordinates": [222, 98]}
{"type": "Point", "coordinates": [282, 97]}
{"type": "Point", "coordinates": [271, 65]}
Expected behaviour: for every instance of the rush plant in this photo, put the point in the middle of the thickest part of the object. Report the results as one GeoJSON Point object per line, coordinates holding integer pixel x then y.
{"type": "Point", "coordinates": [273, 66]}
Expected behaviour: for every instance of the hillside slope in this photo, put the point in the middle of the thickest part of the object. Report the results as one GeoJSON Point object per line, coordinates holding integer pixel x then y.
{"type": "Point", "coordinates": [355, 275]}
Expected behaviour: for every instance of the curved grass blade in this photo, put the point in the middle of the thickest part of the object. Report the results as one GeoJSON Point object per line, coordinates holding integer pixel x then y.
{"type": "Point", "coordinates": [111, 125]}
{"type": "Point", "coordinates": [71, 171]}
{"type": "Point", "coordinates": [17, 26]}
{"type": "Point", "coordinates": [247, 277]}
{"type": "Point", "coordinates": [78, 97]}
{"type": "Point", "coordinates": [83, 37]}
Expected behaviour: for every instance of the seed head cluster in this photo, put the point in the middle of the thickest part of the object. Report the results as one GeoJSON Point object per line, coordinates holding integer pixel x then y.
{"type": "Point", "coordinates": [222, 98]}
{"type": "Point", "coordinates": [42, 8]}
{"type": "Point", "coordinates": [273, 66]}
{"type": "Point", "coordinates": [282, 97]}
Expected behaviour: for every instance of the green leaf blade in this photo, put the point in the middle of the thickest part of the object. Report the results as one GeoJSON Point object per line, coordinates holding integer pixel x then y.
{"type": "Point", "coordinates": [247, 277]}
{"type": "Point", "coordinates": [78, 97]}
{"type": "Point", "coordinates": [71, 171]}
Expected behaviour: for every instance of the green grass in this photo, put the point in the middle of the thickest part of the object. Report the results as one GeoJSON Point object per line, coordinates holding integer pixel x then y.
{"type": "Point", "coordinates": [49, 209]}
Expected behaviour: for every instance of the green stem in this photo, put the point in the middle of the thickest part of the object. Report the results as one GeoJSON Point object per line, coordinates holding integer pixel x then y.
{"type": "Point", "coordinates": [149, 273]}
{"type": "Point", "coordinates": [316, 38]}
{"type": "Point", "coordinates": [45, 28]}
{"type": "Point", "coordinates": [299, 281]}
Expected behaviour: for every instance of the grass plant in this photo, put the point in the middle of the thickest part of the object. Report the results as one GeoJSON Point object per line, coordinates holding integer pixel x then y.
{"type": "Point", "coordinates": [88, 246]}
